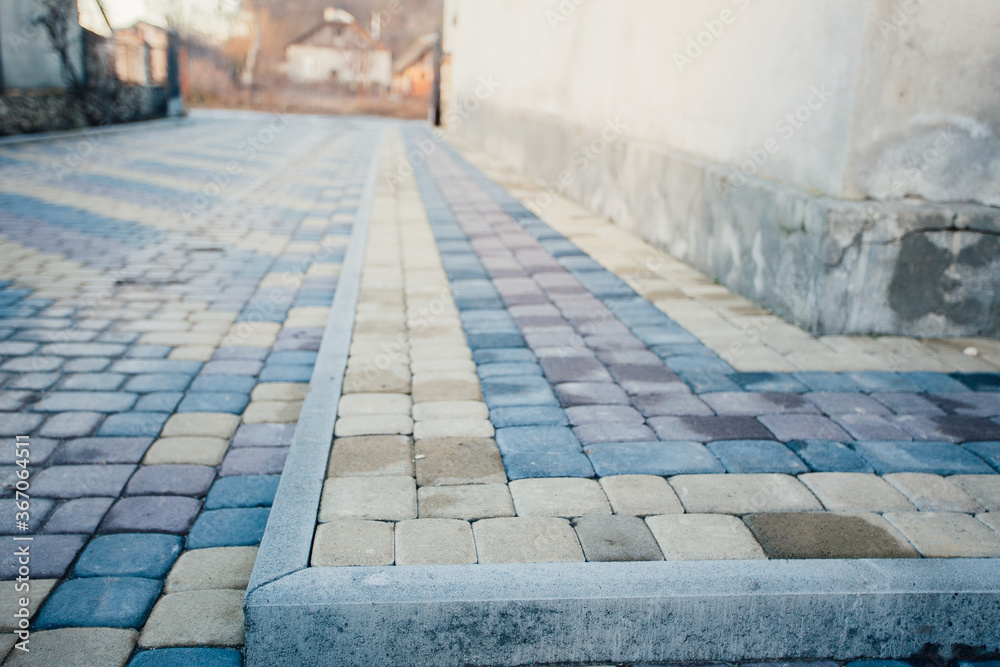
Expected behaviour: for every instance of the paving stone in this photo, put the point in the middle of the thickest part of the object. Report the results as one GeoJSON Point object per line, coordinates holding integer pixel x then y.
{"type": "Point", "coordinates": [264, 435]}
{"type": "Point", "coordinates": [32, 364]}
{"type": "Point", "coordinates": [457, 410]}
{"type": "Point", "coordinates": [848, 491]}
{"type": "Point", "coordinates": [829, 456]}
{"type": "Point", "coordinates": [214, 402]}
{"type": "Point", "coordinates": [231, 384]}
{"type": "Point", "coordinates": [876, 381]}
{"type": "Point", "coordinates": [842, 403]}
{"type": "Point", "coordinates": [526, 540]}
{"type": "Point", "coordinates": [567, 497]}
{"type": "Point", "coordinates": [590, 393]}
{"type": "Point", "coordinates": [208, 424]}
{"type": "Point", "coordinates": [381, 498]}
{"type": "Point", "coordinates": [940, 458]}
{"type": "Point", "coordinates": [378, 380]}
{"type": "Point", "coordinates": [652, 458]}
{"type": "Point", "coordinates": [756, 456]}
{"type": "Point", "coordinates": [742, 493]}
{"type": "Point", "coordinates": [51, 556]}
{"type": "Point", "coordinates": [81, 515]}
{"type": "Point", "coordinates": [100, 450]}
{"type": "Point", "coordinates": [589, 434]}
{"type": "Point", "coordinates": [371, 455]}
{"type": "Point", "coordinates": [547, 464]}
{"type": "Point", "coordinates": [672, 404]}
{"type": "Point", "coordinates": [276, 412]}
{"type": "Point", "coordinates": [14, 424]}
{"type": "Point", "coordinates": [907, 404]}
{"type": "Point", "coordinates": [133, 424]}
{"type": "Point", "coordinates": [447, 428]}
{"type": "Point", "coordinates": [703, 537]}
{"type": "Point", "coordinates": [946, 534]}
{"type": "Point", "coordinates": [803, 427]}
{"type": "Point", "coordinates": [519, 369]}
{"type": "Point", "coordinates": [616, 538]}
{"type": "Point", "coordinates": [170, 480]}
{"type": "Point", "coordinates": [547, 415]}
{"type": "Point", "coordinates": [246, 491]}
{"type": "Point", "coordinates": [86, 365]}
{"type": "Point", "coordinates": [707, 429]}
{"type": "Point", "coordinates": [111, 602]}
{"type": "Point", "coordinates": [444, 461]}
{"type": "Point", "coordinates": [932, 492]}
{"type": "Point", "coordinates": [762, 403]}
{"type": "Point", "coordinates": [374, 404]}
{"type": "Point", "coordinates": [347, 543]}
{"type": "Point", "coordinates": [373, 425]}
{"type": "Point", "coordinates": [73, 481]}
{"type": "Point", "coordinates": [640, 495]}
{"type": "Point", "coordinates": [80, 647]}
{"type": "Point", "coordinates": [193, 618]}
{"type": "Point", "coordinates": [517, 391]}
{"type": "Point", "coordinates": [254, 461]}
{"type": "Point", "coordinates": [184, 657]}
{"type": "Point", "coordinates": [828, 535]}
{"type": "Point", "coordinates": [40, 508]}
{"type": "Point", "coordinates": [955, 428]}
{"type": "Point", "coordinates": [984, 489]}
{"type": "Point", "coordinates": [192, 450]}
{"type": "Point", "coordinates": [871, 427]}
{"type": "Point", "coordinates": [161, 401]}
{"type": "Point", "coordinates": [92, 401]}
{"type": "Point", "coordinates": [523, 439]}
{"type": "Point", "coordinates": [151, 514]}
{"type": "Point", "coordinates": [574, 369]}
{"type": "Point", "coordinates": [969, 403]}
{"type": "Point", "coordinates": [40, 449]}
{"type": "Point", "coordinates": [979, 381]}
{"type": "Point", "coordinates": [236, 527]}
{"type": "Point", "coordinates": [434, 542]}
{"type": "Point", "coordinates": [598, 414]}
{"type": "Point", "coordinates": [129, 555]}
{"type": "Point", "coordinates": [158, 382]}
{"type": "Point", "coordinates": [475, 501]}
{"type": "Point", "coordinates": [93, 381]}
{"type": "Point", "coordinates": [215, 568]}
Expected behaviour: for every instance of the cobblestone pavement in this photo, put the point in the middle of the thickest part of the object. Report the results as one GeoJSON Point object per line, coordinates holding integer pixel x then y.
{"type": "Point", "coordinates": [519, 388]}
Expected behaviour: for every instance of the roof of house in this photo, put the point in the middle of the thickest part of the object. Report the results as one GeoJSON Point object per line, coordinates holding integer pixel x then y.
{"type": "Point", "coordinates": [338, 34]}
{"type": "Point", "coordinates": [415, 51]}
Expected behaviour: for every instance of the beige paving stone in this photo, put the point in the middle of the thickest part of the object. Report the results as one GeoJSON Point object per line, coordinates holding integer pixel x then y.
{"type": "Point", "coordinates": [249, 340]}
{"type": "Point", "coordinates": [984, 489]}
{"type": "Point", "coordinates": [196, 618]}
{"type": "Point", "coordinates": [742, 493]}
{"type": "Point", "coordinates": [444, 366]}
{"type": "Point", "coordinates": [208, 424]}
{"type": "Point", "coordinates": [215, 568]}
{"type": "Point", "coordinates": [376, 498]}
{"type": "Point", "coordinates": [474, 410]}
{"type": "Point", "coordinates": [187, 449]}
{"type": "Point", "coordinates": [526, 540]}
{"type": "Point", "coordinates": [855, 491]}
{"type": "Point", "coordinates": [441, 349]}
{"type": "Point", "coordinates": [640, 495]}
{"type": "Point", "coordinates": [373, 425]}
{"type": "Point", "coordinates": [991, 519]}
{"type": "Point", "coordinates": [443, 461]}
{"type": "Point", "coordinates": [434, 542]}
{"type": "Point", "coordinates": [39, 590]}
{"type": "Point", "coordinates": [192, 353]}
{"type": "Point", "coordinates": [307, 316]}
{"type": "Point", "coordinates": [371, 456]}
{"type": "Point", "coordinates": [703, 537]}
{"type": "Point", "coordinates": [932, 492]}
{"type": "Point", "coordinates": [558, 496]}
{"type": "Point", "coordinates": [372, 379]}
{"type": "Point", "coordinates": [180, 338]}
{"type": "Point", "coordinates": [79, 647]}
{"type": "Point", "coordinates": [272, 412]}
{"type": "Point", "coordinates": [280, 391]}
{"type": "Point", "coordinates": [946, 534]}
{"type": "Point", "coordinates": [452, 428]}
{"type": "Point", "coordinates": [472, 501]}
{"type": "Point", "coordinates": [348, 543]}
{"type": "Point", "coordinates": [374, 404]}
{"type": "Point", "coordinates": [445, 387]}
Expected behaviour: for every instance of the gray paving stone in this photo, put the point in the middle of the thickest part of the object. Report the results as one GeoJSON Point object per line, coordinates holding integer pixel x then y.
{"type": "Point", "coordinates": [151, 514]}
{"type": "Point", "coordinates": [171, 480]}
{"type": "Point", "coordinates": [803, 427]}
{"type": "Point", "coordinates": [92, 381]}
{"type": "Point", "coordinates": [845, 403]}
{"type": "Point", "coordinates": [75, 481]}
{"type": "Point", "coordinates": [597, 414]}
{"type": "Point", "coordinates": [590, 393]}
{"type": "Point", "coordinates": [50, 559]}
{"type": "Point", "coordinates": [616, 538]}
{"type": "Point", "coordinates": [71, 424]}
{"type": "Point", "coordinates": [741, 403]}
{"type": "Point", "coordinates": [253, 461]}
{"type": "Point", "coordinates": [94, 401]}
{"type": "Point", "coordinates": [81, 515]}
{"type": "Point", "coordinates": [80, 647]}
{"type": "Point", "coordinates": [707, 429]}
{"type": "Point", "coordinates": [14, 424]}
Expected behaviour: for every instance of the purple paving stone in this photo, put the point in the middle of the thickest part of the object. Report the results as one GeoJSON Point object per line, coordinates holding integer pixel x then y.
{"type": "Point", "coordinates": [254, 461]}
{"type": "Point", "coordinates": [604, 327]}
{"type": "Point", "coordinates": [171, 480]}
{"type": "Point", "coordinates": [39, 449]}
{"type": "Point", "coordinates": [18, 423]}
{"type": "Point", "coordinates": [871, 427]}
{"type": "Point", "coordinates": [590, 393]}
{"type": "Point", "coordinates": [628, 357]}
{"type": "Point", "coordinates": [595, 414]}
{"type": "Point", "coordinates": [954, 428]}
{"type": "Point", "coordinates": [51, 556]}
{"type": "Point", "coordinates": [741, 403]}
{"type": "Point", "coordinates": [562, 351]}
{"type": "Point", "coordinates": [589, 434]}
{"type": "Point", "coordinates": [969, 403]}
{"type": "Point", "coordinates": [648, 379]}
{"type": "Point", "coordinates": [803, 427]}
{"type": "Point", "coordinates": [574, 369]}
{"type": "Point", "coordinates": [102, 450]}
{"type": "Point", "coordinates": [846, 403]}
{"type": "Point", "coordinates": [610, 342]}
{"type": "Point", "coordinates": [81, 515]}
{"type": "Point", "coordinates": [707, 429]}
{"type": "Point", "coordinates": [672, 404]}
{"type": "Point", "coordinates": [71, 424]}
{"type": "Point", "coordinates": [907, 404]}
{"type": "Point", "coordinates": [78, 481]}
{"type": "Point", "coordinates": [264, 435]}
{"type": "Point", "coordinates": [151, 514]}
{"type": "Point", "coordinates": [565, 337]}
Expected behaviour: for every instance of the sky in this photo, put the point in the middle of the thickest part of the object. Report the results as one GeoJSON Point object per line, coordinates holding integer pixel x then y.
{"type": "Point", "coordinates": [205, 14]}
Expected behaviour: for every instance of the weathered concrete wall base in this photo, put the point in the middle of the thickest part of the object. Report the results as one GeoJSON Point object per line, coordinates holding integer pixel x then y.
{"type": "Point", "coordinates": [47, 111]}
{"type": "Point", "coordinates": [624, 612]}
{"type": "Point", "coordinates": [832, 266]}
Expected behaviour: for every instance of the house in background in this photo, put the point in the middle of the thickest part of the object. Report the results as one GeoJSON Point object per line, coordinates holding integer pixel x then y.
{"type": "Point", "coordinates": [413, 73]}
{"type": "Point", "coordinates": [339, 51]}
{"type": "Point", "coordinates": [141, 54]}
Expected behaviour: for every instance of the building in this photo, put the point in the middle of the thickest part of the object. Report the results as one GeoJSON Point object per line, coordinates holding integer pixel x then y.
{"type": "Point", "coordinates": [141, 54]}
{"type": "Point", "coordinates": [413, 72]}
{"type": "Point", "coordinates": [340, 52]}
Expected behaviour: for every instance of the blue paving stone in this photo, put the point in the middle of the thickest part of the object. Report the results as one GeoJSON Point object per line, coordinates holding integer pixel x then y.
{"type": "Point", "coordinates": [940, 458]}
{"type": "Point", "coordinates": [148, 351]}
{"type": "Point", "coordinates": [988, 451]}
{"type": "Point", "coordinates": [494, 340]}
{"type": "Point", "coordinates": [528, 416]}
{"type": "Point", "coordinates": [703, 373]}
{"type": "Point", "coordinates": [86, 365]}
{"type": "Point", "coordinates": [133, 424]}
{"type": "Point", "coordinates": [664, 336]}
{"type": "Point", "coordinates": [102, 450]}
{"type": "Point", "coordinates": [874, 381]}
{"type": "Point", "coordinates": [156, 366]}
{"type": "Point", "coordinates": [292, 358]}
{"type": "Point", "coordinates": [246, 491]}
{"type": "Point", "coordinates": [158, 382]}
{"type": "Point", "coordinates": [829, 456]}
{"type": "Point", "coordinates": [51, 556]}
{"type": "Point", "coordinates": [14, 424]}
{"type": "Point", "coordinates": [80, 515]}
{"type": "Point", "coordinates": [39, 449]}
{"type": "Point", "coordinates": [503, 355]}
{"type": "Point", "coordinates": [228, 528]}
{"type": "Point", "coordinates": [637, 312]}
{"type": "Point", "coordinates": [515, 368]}
{"type": "Point", "coordinates": [188, 657]}
{"type": "Point", "coordinates": [92, 401]}
{"type": "Point", "coordinates": [34, 381]}
{"type": "Point", "coordinates": [258, 353]}
{"type": "Point", "coordinates": [518, 439]}
{"type": "Point", "coordinates": [937, 383]}
{"type": "Point", "coordinates": [979, 381]}
{"type": "Point", "coordinates": [40, 508]}
{"type": "Point", "coordinates": [75, 481]}
{"type": "Point", "coordinates": [286, 374]}
{"type": "Point", "coordinates": [871, 427]}
{"type": "Point", "coordinates": [547, 464]}
{"type": "Point", "coordinates": [652, 458]}
{"type": "Point", "coordinates": [230, 384]}
{"type": "Point", "coordinates": [71, 424]}
{"type": "Point", "coordinates": [214, 402]}
{"type": "Point", "coordinates": [665, 351]}
{"type": "Point", "coordinates": [147, 555]}
{"type": "Point", "coordinates": [511, 391]}
{"type": "Point", "coordinates": [748, 456]}
{"type": "Point", "coordinates": [248, 367]}
{"type": "Point", "coordinates": [93, 381]}
{"type": "Point", "coordinates": [171, 480]}
{"type": "Point", "coordinates": [161, 401]}
{"type": "Point", "coordinates": [824, 381]}
{"type": "Point", "coordinates": [781, 382]}
{"type": "Point", "coordinates": [109, 602]}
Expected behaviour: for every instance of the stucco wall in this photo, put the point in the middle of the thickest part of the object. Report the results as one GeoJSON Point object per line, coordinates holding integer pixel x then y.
{"type": "Point", "coordinates": [27, 60]}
